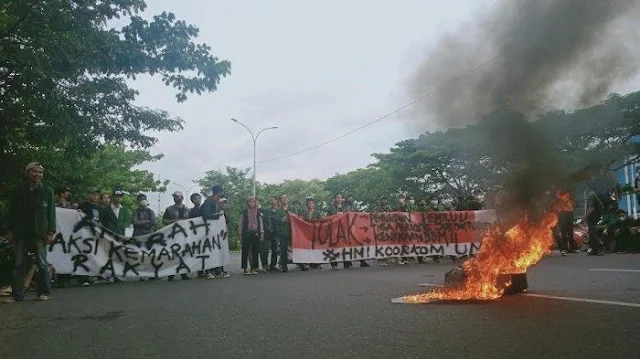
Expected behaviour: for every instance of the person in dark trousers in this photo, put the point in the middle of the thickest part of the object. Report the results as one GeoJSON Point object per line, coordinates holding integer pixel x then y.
{"type": "Point", "coordinates": [269, 242]}
{"type": "Point", "coordinates": [251, 231]}
{"type": "Point", "coordinates": [144, 218]}
{"type": "Point", "coordinates": [338, 207]}
{"type": "Point", "coordinates": [283, 233]}
{"type": "Point", "coordinates": [92, 213]}
{"type": "Point", "coordinates": [31, 222]}
{"type": "Point", "coordinates": [402, 206]}
{"type": "Point", "coordinates": [312, 214]}
{"type": "Point", "coordinates": [593, 213]}
{"type": "Point", "coordinates": [565, 227]}
{"type": "Point", "coordinates": [211, 211]}
{"type": "Point", "coordinates": [174, 213]}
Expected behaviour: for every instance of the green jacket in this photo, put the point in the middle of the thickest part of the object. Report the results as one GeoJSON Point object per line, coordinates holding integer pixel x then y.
{"type": "Point", "coordinates": [313, 216]}
{"type": "Point", "coordinates": [271, 221]}
{"type": "Point", "coordinates": [115, 224]}
{"type": "Point", "coordinates": [283, 228]}
{"type": "Point", "coordinates": [210, 209]}
{"type": "Point", "coordinates": [332, 210]}
{"type": "Point", "coordinates": [40, 221]}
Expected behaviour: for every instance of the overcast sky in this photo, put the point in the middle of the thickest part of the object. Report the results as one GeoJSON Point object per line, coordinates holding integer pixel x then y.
{"type": "Point", "coordinates": [314, 69]}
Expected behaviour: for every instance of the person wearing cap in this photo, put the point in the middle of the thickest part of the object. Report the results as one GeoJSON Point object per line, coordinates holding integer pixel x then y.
{"type": "Point", "coordinates": [63, 198]}
{"type": "Point", "coordinates": [177, 211]}
{"type": "Point", "coordinates": [211, 211]}
{"type": "Point", "coordinates": [174, 213]}
{"type": "Point", "coordinates": [31, 222]}
{"type": "Point", "coordinates": [144, 218]}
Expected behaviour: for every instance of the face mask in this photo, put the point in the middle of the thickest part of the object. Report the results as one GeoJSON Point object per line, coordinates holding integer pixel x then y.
{"type": "Point", "coordinates": [144, 203]}
{"type": "Point", "coordinates": [412, 201]}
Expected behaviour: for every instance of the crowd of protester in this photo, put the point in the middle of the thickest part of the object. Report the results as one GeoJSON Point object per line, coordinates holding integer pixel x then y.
{"type": "Point", "coordinates": [265, 232]}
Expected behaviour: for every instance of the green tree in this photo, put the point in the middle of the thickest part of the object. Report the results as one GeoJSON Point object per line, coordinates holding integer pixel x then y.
{"type": "Point", "coordinates": [297, 190]}
{"type": "Point", "coordinates": [366, 185]}
{"type": "Point", "coordinates": [64, 72]}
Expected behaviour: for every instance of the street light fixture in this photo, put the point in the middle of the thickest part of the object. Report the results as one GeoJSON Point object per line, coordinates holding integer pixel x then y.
{"type": "Point", "coordinates": [255, 139]}
{"type": "Point", "coordinates": [185, 190]}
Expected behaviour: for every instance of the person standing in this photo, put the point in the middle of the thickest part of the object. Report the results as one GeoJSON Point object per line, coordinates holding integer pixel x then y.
{"type": "Point", "coordinates": [402, 206]}
{"type": "Point", "coordinates": [90, 207]}
{"type": "Point", "coordinates": [251, 231]}
{"type": "Point", "coordinates": [338, 207]}
{"type": "Point", "coordinates": [172, 214]}
{"type": "Point", "coordinates": [144, 218]}
{"type": "Point", "coordinates": [115, 217]}
{"type": "Point", "coordinates": [177, 211]}
{"type": "Point", "coordinates": [383, 207]}
{"type": "Point", "coordinates": [270, 222]}
{"type": "Point", "coordinates": [311, 214]}
{"type": "Point", "coordinates": [593, 213]}
{"type": "Point", "coordinates": [64, 198]}
{"type": "Point", "coordinates": [92, 214]}
{"type": "Point", "coordinates": [31, 223]}
{"type": "Point", "coordinates": [211, 211]}
{"type": "Point", "coordinates": [105, 201]}
{"type": "Point", "coordinates": [283, 233]}
{"type": "Point", "coordinates": [196, 211]}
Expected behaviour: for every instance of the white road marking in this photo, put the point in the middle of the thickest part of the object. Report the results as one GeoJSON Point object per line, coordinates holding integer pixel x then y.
{"type": "Point", "coordinates": [615, 270]}
{"type": "Point", "coordinates": [430, 285]}
{"type": "Point", "coordinates": [585, 300]}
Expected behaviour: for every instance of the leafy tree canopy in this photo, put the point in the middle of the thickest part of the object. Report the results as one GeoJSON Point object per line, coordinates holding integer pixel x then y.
{"type": "Point", "coordinates": [64, 72]}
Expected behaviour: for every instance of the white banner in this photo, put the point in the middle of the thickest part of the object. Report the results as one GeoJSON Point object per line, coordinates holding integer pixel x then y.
{"type": "Point", "coordinates": [81, 247]}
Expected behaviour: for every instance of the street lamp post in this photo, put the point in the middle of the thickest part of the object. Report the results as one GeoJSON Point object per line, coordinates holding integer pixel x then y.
{"type": "Point", "coordinates": [186, 194]}
{"type": "Point", "coordinates": [255, 139]}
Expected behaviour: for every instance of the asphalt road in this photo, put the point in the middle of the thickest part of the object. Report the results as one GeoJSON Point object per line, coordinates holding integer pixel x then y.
{"type": "Point", "coordinates": [341, 314]}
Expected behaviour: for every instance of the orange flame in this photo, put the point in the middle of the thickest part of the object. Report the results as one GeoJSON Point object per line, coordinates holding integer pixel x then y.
{"type": "Point", "coordinates": [512, 252]}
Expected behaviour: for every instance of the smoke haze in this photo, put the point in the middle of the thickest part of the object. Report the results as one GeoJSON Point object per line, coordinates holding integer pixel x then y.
{"type": "Point", "coordinates": [532, 55]}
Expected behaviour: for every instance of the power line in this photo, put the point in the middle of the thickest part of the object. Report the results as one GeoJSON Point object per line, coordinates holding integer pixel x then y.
{"type": "Point", "coordinates": [370, 123]}
{"type": "Point", "coordinates": [513, 38]}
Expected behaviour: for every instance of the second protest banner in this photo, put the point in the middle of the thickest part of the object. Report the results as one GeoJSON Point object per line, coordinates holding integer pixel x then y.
{"type": "Point", "coordinates": [361, 235]}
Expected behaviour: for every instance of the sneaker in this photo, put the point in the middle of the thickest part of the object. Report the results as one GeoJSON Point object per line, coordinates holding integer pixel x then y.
{"type": "Point", "coordinates": [11, 300]}
{"type": "Point", "coordinates": [253, 272]}
{"type": "Point", "coordinates": [261, 270]}
{"type": "Point", "coordinates": [85, 284]}
{"type": "Point", "coordinates": [563, 253]}
{"type": "Point", "coordinates": [273, 269]}
{"type": "Point", "coordinates": [211, 276]}
{"type": "Point", "coordinates": [225, 275]}
{"type": "Point", "coordinates": [246, 272]}
{"type": "Point", "coordinates": [43, 298]}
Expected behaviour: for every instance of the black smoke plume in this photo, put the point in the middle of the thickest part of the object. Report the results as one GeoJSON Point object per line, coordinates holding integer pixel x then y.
{"type": "Point", "coordinates": [519, 59]}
